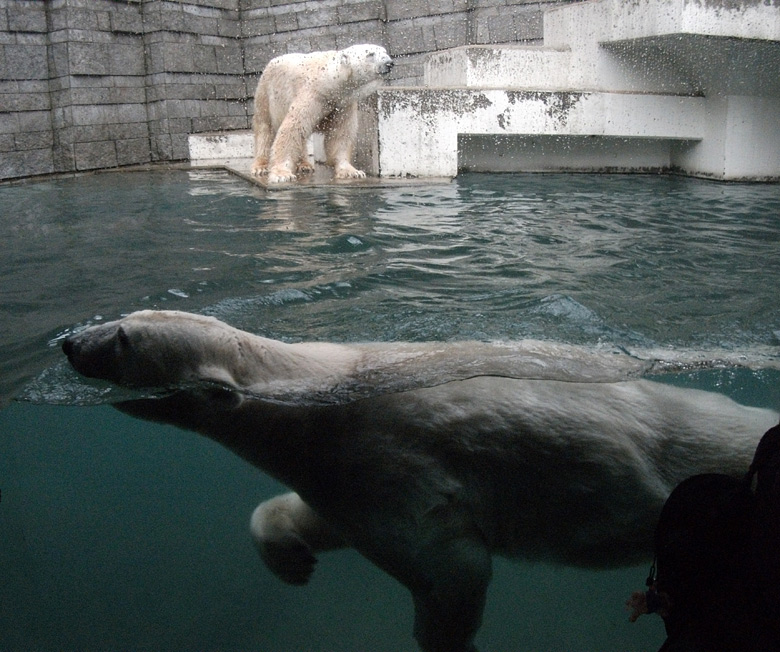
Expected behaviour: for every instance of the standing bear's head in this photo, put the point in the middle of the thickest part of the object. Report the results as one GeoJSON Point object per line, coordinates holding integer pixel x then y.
{"type": "Point", "coordinates": [366, 63]}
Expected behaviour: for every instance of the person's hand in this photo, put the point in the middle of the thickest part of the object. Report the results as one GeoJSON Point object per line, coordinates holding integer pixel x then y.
{"type": "Point", "coordinates": [637, 605]}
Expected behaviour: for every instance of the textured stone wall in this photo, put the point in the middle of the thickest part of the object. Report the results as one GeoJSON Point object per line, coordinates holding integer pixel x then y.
{"type": "Point", "coordinates": [88, 84]}
{"type": "Point", "coordinates": [26, 131]}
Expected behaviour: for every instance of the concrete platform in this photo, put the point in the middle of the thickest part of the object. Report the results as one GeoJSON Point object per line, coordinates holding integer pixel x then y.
{"type": "Point", "coordinates": [215, 149]}
{"type": "Point", "coordinates": [232, 151]}
{"type": "Point", "coordinates": [691, 86]}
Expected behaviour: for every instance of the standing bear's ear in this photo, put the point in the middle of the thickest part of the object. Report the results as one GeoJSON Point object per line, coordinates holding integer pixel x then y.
{"type": "Point", "coordinates": [345, 66]}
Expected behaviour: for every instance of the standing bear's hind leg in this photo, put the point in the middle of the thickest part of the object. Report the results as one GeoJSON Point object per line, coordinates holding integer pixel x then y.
{"type": "Point", "coordinates": [262, 132]}
{"type": "Point", "coordinates": [288, 147]}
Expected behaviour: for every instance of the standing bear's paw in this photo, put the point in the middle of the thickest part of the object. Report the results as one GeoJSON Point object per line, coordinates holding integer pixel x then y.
{"type": "Point", "coordinates": [280, 175]}
{"type": "Point", "coordinates": [347, 171]}
{"type": "Point", "coordinates": [259, 167]}
{"type": "Point", "coordinates": [304, 167]}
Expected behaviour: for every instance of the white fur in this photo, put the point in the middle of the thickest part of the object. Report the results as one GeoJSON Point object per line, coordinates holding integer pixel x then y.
{"type": "Point", "coordinates": [301, 93]}
{"type": "Point", "coordinates": [515, 453]}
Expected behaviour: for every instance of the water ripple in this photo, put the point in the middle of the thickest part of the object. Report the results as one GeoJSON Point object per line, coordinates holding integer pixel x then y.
{"type": "Point", "coordinates": [579, 258]}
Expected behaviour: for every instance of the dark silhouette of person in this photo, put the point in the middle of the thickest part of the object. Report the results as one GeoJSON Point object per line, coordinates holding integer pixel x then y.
{"type": "Point", "coordinates": [715, 580]}
{"type": "Point", "coordinates": [763, 553]}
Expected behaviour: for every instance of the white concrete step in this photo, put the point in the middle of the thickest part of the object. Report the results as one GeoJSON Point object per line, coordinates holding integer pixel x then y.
{"type": "Point", "coordinates": [670, 46]}
{"type": "Point", "coordinates": [618, 20]}
{"type": "Point", "coordinates": [489, 66]}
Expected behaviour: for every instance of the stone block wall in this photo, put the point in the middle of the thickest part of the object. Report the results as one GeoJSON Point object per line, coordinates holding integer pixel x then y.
{"type": "Point", "coordinates": [26, 131]}
{"type": "Point", "coordinates": [194, 72]}
{"type": "Point", "coordinates": [88, 84]}
{"type": "Point", "coordinates": [408, 29]}
{"type": "Point", "coordinates": [96, 66]}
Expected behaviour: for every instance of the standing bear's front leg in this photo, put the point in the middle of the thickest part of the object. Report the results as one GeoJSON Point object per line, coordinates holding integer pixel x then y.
{"type": "Point", "coordinates": [288, 533]}
{"type": "Point", "coordinates": [340, 135]}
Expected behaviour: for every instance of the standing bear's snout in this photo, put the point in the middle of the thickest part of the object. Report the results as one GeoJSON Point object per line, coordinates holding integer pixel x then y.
{"type": "Point", "coordinates": [386, 65]}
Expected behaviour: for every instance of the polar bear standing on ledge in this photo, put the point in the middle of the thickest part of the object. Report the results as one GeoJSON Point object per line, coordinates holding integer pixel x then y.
{"type": "Point", "coordinates": [302, 93]}
{"type": "Point", "coordinates": [486, 455]}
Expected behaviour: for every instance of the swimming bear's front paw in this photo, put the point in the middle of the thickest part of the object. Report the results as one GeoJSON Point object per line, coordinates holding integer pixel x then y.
{"type": "Point", "coordinates": [290, 559]}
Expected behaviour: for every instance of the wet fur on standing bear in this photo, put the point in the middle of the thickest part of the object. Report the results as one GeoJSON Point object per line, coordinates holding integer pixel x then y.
{"type": "Point", "coordinates": [299, 94]}
{"type": "Point", "coordinates": [430, 458]}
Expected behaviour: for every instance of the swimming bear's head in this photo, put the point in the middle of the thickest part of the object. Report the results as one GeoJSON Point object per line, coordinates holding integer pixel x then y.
{"type": "Point", "coordinates": [154, 349]}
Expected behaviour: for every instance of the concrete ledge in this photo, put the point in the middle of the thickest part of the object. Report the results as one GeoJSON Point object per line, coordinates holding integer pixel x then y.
{"type": "Point", "coordinates": [648, 45]}
{"type": "Point", "coordinates": [419, 128]}
{"type": "Point", "coordinates": [616, 20]}
{"type": "Point", "coordinates": [225, 146]}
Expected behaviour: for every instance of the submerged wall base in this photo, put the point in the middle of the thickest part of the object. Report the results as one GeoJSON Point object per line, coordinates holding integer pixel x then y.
{"type": "Point", "coordinates": [507, 153]}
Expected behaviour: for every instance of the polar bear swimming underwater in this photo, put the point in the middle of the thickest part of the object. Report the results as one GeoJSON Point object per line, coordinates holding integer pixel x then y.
{"type": "Point", "coordinates": [430, 458]}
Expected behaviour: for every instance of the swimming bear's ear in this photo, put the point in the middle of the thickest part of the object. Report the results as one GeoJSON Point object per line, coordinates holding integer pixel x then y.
{"type": "Point", "coordinates": [123, 338]}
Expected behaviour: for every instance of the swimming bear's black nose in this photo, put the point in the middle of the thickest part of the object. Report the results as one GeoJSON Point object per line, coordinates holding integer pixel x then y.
{"type": "Point", "coordinates": [68, 346]}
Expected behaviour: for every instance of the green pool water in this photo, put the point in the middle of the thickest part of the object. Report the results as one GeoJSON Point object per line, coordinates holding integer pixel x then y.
{"type": "Point", "coordinates": [121, 534]}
